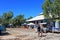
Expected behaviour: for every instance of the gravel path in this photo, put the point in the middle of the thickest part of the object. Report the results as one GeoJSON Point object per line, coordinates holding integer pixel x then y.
{"type": "Point", "coordinates": [27, 34]}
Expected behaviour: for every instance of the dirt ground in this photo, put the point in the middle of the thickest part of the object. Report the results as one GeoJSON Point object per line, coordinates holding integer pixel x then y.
{"type": "Point", "coordinates": [27, 34]}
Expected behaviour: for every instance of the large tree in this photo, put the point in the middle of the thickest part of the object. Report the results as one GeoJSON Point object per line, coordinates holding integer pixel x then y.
{"type": "Point", "coordinates": [9, 14]}
{"type": "Point", "coordinates": [18, 20]}
{"type": "Point", "coordinates": [51, 8]}
{"type": "Point", "coordinates": [46, 8]}
{"type": "Point", "coordinates": [6, 17]}
{"type": "Point", "coordinates": [57, 7]}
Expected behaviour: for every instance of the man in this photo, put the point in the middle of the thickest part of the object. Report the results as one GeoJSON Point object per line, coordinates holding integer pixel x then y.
{"type": "Point", "coordinates": [40, 30]}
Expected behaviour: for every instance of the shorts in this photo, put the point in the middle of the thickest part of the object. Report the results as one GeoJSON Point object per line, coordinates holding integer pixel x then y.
{"type": "Point", "coordinates": [40, 31]}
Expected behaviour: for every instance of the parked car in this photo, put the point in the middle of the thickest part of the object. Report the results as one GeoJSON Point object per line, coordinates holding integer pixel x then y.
{"type": "Point", "coordinates": [2, 29]}
{"type": "Point", "coordinates": [10, 26]}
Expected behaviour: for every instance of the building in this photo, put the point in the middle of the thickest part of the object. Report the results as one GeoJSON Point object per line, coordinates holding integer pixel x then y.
{"type": "Point", "coordinates": [41, 19]}
{"type": "Point", "coordinates": [37, 19]}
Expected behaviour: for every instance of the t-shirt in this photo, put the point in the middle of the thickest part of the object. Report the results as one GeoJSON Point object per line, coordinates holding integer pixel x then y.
{"type": "Point", "coordinates": [38, 28]}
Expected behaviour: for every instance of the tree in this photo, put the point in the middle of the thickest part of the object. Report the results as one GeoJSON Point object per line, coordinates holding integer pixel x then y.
{"type": "Point", "coordinates": [11, 21]}
{"type": "Point", "coordinates": [18, 20]}
{"type": "Point", "coordinates": [0, 20]}
{"type": "Point", "coordinates": [46, 8]}
{"type": "Point", "coordinates": [30, 17]}
{"type": "Point", "coordinates": [9, 17]}
{"type": "Point", "coordinates": [9, 14]}
{"type": "Point", "coordinates": [6, 17]}
{"type": "Point", "coordinates": [57, 7]}
{"type": "Point", "coordinates": [51, 8]}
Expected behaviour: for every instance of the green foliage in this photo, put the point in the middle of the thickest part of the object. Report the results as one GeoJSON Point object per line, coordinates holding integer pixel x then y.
{"type": "Point", "coordinates": [30, 17]}
{"type": "Point", "coordinates": [9, 14]}
{"type": "Point", "coordinates": [51, 7]}
{"type": "Point", "coordinates": [46, 8]}
{"type": "Point", "coordinates": [19, 20]}
{"type": "Point", "coordinates": [6, 17]}
{"type": "Point", "coordinates": [0, 20]}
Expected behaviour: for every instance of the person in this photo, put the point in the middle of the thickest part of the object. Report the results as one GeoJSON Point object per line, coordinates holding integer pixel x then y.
{"type": "Point", "coordinates": [40, 30]}
{"type": "Point", "coordinates": [35, 28]}
{"type": "Point", "coordinates": [50, 28]}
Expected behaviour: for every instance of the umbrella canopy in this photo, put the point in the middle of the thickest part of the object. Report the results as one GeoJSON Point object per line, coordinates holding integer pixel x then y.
{"type": "Point", "coordinates": [24, 24]}
{"type": "Point", "coordinates": [31, 24]}
{"type": "Point", "coordinates": [43, 23]}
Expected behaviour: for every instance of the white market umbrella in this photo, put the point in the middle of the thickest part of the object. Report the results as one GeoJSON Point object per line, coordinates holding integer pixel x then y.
{"type": "Point", "coordinates": [24, 24]}
{"type": "Point", "coordinates": [31, 24]}
{"type": "Point", "coordinates": [43, 23]}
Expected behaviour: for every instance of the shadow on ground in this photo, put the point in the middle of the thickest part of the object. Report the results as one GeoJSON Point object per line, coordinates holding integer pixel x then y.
{"type": "Point", "coordinates": [58, 32]}
{"type": "Point", "coordinates": [3, 34]}
{"type": "Point", "coordinates": [43, 36]}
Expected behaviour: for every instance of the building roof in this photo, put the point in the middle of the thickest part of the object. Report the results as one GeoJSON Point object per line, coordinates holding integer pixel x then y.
{"type": "Point", "coordinates": [40, 17]}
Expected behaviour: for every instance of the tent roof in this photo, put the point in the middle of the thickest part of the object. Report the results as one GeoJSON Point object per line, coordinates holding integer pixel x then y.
{"type": "Point", "coordinates": [40, 17]}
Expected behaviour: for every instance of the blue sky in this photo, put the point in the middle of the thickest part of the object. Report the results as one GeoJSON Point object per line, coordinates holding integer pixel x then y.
{"type": "Point", "coordinates": [26, 7]}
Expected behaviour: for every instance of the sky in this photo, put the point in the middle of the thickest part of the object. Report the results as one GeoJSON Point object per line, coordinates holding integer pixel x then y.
{"type": "Point", "coordinates": [26, 7]}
